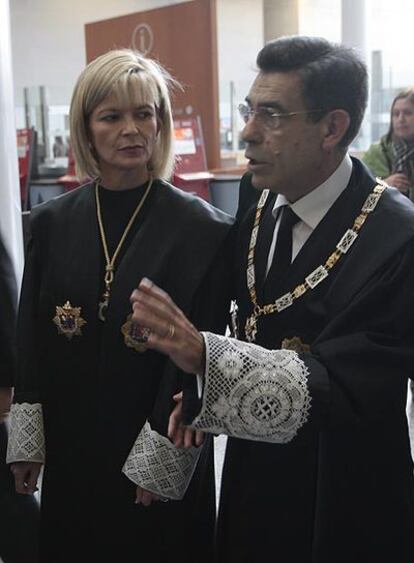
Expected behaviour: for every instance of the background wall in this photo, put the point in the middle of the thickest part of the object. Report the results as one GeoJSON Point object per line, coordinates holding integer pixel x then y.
{"type": "Point", "coordinates": [240, 35]}
{"type": "Point", "coordinates": [48, 47]}
{"type": "Point", "coordinates": [48, 40]}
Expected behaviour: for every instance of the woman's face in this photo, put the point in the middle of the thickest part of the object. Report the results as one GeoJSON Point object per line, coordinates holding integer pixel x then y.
{"type": "Point", "coordinates": [123, 138]}
{"type": "Point", "coordinates": [403, 119]}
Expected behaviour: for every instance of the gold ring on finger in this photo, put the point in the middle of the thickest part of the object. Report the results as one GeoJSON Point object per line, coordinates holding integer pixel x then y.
{"type": "Point", "coordinates": [170, 331]}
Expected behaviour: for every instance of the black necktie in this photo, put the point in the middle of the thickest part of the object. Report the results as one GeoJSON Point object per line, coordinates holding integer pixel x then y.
{"type": "Point", "coordinates": [282, 257]}
{"type": "Point", "coordinates": [264, 241]}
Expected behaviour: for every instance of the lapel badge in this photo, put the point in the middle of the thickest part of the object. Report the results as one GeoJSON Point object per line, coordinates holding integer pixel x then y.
{"type": "Point", "coordinates": [135, 335]}
{"type": "Point", "coordinates": [68, 320]}
{"type": "Point", "coordinates": [295, 343]}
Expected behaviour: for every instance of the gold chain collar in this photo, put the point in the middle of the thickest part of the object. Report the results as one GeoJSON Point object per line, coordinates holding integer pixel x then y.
{"type": "Point", "coordinates": [110, 262]}
{"type": "Point", "coordinates": [315, 277]}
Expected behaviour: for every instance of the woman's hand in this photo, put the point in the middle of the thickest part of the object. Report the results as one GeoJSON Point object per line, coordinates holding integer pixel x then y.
{"type": "Point", "coordinates": [26, 474]}
{"type": "Point", "coordinates": [146, 498]}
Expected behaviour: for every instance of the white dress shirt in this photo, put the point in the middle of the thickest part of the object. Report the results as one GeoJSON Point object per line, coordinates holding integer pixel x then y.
{"type": "Point", "coordinates": [311, 208]}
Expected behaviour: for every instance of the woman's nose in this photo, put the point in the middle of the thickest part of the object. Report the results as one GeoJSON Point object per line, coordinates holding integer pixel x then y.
{"type": "Point", "coordinates": [130, 125]}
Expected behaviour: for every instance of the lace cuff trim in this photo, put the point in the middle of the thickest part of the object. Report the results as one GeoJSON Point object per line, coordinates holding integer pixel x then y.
{"type": "Point", "coordinates": [26, 438]}
{"type": "Point", "coordinates": [155, 464]}
{"type": "Point", "coordinates": [251, 392]}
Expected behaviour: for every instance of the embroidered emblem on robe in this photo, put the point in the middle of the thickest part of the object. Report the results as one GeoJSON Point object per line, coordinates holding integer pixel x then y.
{"type": "Point", "coordinates": [68, 320]}
{"type": "Point", "coordinates": [135, 335]}
{"type": "Point", "coordinates": [295, 343]}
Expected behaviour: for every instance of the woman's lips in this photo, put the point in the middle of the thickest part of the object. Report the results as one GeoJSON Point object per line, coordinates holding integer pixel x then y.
{"type": "Point", "coordinates": [131, 150]}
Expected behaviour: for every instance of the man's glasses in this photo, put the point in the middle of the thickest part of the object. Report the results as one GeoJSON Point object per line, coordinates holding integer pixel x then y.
{"type": "Point", "coordinates": [268, 116]}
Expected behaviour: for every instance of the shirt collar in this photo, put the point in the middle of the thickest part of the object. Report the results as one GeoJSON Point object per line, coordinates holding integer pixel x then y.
{"type": "Point", "coordinates": [312, 207]}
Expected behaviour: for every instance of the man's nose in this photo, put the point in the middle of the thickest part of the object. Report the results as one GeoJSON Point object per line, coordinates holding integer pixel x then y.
{"type": "Point", "coordinates": [252, 131]}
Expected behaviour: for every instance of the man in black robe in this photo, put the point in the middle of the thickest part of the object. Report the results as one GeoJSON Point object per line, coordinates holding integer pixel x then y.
{"type": "Point", "coordinates": [313, 393]}
{"type": "Point", "coordinates": [19, 515]}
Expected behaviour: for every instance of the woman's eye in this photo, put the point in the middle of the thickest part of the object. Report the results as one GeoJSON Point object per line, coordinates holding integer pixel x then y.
{"type": "Point", "coordinates": [144, 114]}
{"type": "Point", "coordinates": [109, 117]}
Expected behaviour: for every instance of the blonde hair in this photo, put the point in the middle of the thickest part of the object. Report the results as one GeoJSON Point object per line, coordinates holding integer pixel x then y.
{"type": "Point", "coordinates": [133, 79]}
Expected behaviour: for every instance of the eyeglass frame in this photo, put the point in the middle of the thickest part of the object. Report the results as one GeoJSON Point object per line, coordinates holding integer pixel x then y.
{"type": "Point", "coordinates": [247, 112]}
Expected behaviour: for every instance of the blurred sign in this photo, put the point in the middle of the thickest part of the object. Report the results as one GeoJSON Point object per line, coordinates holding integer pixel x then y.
{"type": "Point", "coordinates": [191, 172]}
{"type": "Point", "coordinates": [24, 153]}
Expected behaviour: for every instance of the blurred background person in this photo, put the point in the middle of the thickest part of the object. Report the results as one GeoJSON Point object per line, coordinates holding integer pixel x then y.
{"type": "Point", "coordinates": [87, 384]}
{"type": "Point", "coordinates": [59, 147]}
{"type": "Point", "coordinates": [392, 158]}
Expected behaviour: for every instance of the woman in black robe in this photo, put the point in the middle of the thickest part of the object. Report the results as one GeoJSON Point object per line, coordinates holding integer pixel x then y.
{"type": "Point", "coordinates": [92, 402]}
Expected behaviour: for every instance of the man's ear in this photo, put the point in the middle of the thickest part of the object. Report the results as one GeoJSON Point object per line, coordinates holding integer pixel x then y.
{"type": "Point", "coordinates": [336, 125]}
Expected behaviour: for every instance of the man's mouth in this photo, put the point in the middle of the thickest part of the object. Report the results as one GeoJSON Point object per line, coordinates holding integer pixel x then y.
{"type": "Point", "coordinates": [254, 162]}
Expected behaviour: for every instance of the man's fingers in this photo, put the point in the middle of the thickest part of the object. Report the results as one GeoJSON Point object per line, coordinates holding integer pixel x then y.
{"type": "Point", "coordinates": [155, 296]}
{"type": "Point", "coordinates": [189, 437]}
{"type": "Point", "coordinates": [152, 299]}
{"type": "Point", "coordinates": [199, 438]}
{"type": "Point", "coordinates": [178, 439]}
{"type": "Point", "coordinates": [163, 326]}
{"type": "Point", "coordinates": [182, 436]}
{"type": "Point", "coordinates": [151, 288]}
{"type": "Point", "coordinates": [175, 417]}
{"type": "Point", "coordinates": [168, 329]}
{"type": "Point", "coordinates": [192, 438]}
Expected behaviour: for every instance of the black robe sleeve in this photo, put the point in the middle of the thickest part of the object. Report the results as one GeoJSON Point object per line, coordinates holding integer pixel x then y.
{"type": "Point", "coordinates": [28, 384]}
{"type": "Point", "coordinates": [8, 299]}
{"type": "Point", "coordinates": [27, 440]}
{"type": "Point", "coordinates": [355, 374]}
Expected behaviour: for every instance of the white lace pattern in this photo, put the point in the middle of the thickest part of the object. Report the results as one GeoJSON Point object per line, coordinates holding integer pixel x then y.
{"type": "Point", "coordinates": [27, 438]}
{"type": "Point", "coordinates": [155, 464]}
{"type": "Point", "coordinates": [251, 392]}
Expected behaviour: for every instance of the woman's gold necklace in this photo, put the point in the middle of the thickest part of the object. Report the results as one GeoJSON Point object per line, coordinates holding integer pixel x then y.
{"type": "Point", "coordinates": [110, 262]}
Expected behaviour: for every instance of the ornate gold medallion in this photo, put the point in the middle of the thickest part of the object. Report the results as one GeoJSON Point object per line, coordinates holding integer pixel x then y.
{"type": "Point", "coordinates": [68, 320]}
{"type": "Point", "coordinates": [135, 335]}
{"type": "Point", "coordinates": [295, 343]}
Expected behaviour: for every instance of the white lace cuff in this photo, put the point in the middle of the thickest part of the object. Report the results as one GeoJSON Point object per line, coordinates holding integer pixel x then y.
{"type": "Point", "coordinates": [26, 438]}
{"type": "Point", "coordinates": [155, 464]}
{"type": "Point", "coordinates": [251, 392]}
